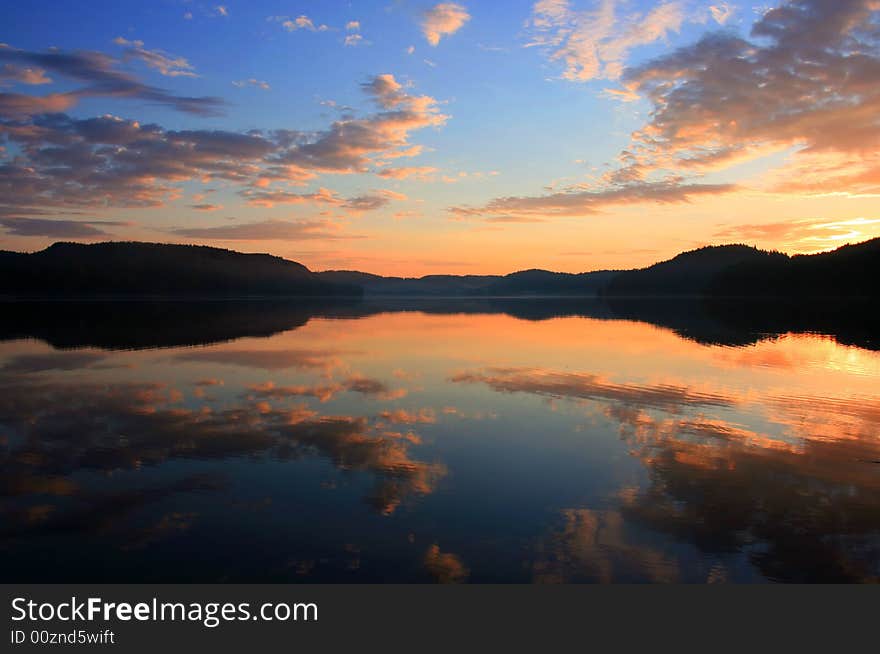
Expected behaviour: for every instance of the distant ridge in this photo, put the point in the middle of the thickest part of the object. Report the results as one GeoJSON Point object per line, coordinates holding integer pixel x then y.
{"type": "Point", "coordinates": [430, 285]}
{"type": "Point", "coordinates": [523, 283]}
{"type": "Point", "coordinates": [153, 269]}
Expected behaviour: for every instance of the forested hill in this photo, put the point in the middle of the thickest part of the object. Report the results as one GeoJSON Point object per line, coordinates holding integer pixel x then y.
{"type": "Point", "coordinates": [743, 271]}
{"type": "Point", "coordinates": [689, 273]}
{"type": "Point", "coordinates": [849, 271]}
{"type": "Point", "coordinates": [140, 269]}
{"type": "Point", "coordinates": [152, 269]}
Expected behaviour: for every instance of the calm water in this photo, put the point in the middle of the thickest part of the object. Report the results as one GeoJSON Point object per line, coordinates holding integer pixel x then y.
{"type": "Point", "coordinates": [257, 442]}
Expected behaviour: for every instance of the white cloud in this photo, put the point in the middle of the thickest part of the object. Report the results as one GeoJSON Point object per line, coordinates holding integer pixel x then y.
{"type": "Point", "coordinates": [167, 64]}
{"type": "Point", "coordinates": [300, 23]}
{"type": "Point", "coordinates": [595, 43]}
{"type": "Point", "coordinates": [721, 12]}
{"type": "Point", "coordinates": [252, 82]}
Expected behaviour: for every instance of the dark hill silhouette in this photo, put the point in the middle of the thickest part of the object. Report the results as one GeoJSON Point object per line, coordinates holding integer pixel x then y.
{"type": "Point", "coordinates": [746, 272]}
{"type": "Point", "coordinates": [851, 270]}
{"type": "Point", "coordinates": [712, 271]}
{"type": "Point", "coordinates": [137, 269]}
{"type": "Point", "coordinates": [71, 270]}
{"type": "Point", "coordinates": [687, 274]}
{"type": "Point", "coordinates": [430, 285]}
{"type": "Point", "coordinates": [525, 282]}
{"type": "Point", "coordinates": [544, 282]}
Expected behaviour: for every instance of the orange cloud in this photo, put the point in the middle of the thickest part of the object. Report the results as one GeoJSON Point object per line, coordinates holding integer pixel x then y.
{"type": "Point", "coordinates": [422, 173]}
{"type": "Point", "coordinates": [444, 19]}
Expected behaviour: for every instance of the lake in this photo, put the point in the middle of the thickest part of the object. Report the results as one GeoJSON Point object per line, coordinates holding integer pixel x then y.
{"type": "Point", "coordinates": [438, 441]}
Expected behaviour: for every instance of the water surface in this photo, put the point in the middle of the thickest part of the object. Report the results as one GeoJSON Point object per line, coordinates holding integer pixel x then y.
{"type": "Point", "coordinates": [447, 442]}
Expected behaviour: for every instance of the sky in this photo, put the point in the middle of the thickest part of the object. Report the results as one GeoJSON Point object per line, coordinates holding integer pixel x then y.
{"type": "Point", "coordinates": [412, 138]}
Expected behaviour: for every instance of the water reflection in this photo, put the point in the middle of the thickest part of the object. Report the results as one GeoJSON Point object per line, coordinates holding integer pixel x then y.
{"type": "Point", "coordinates": [348, 443]}
{"type": "Point", "coordinates": [168, 323]}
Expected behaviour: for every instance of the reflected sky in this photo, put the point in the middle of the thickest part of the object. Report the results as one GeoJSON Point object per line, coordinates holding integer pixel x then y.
{"type": "Point", "coordinates": [441, 447]}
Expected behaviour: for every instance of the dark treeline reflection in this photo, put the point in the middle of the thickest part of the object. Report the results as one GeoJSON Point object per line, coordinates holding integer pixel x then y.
{"type": "Point", "coordinates": [139, 324]}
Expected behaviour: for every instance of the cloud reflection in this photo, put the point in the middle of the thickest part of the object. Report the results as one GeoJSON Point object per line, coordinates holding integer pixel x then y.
{"type": "Point", "coordinates": [60, 430]}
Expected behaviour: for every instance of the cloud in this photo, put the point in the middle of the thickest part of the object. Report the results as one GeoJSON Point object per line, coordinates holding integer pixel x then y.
{"type": "Point", "coordinates": [265, 230]}
{"type": "Point", "coordinates": [302, 359]}
{"type": "Point", "coordinates": [595, 546]}
{"type": "Point", "coordinates": [263, 198]}
{"type": "Point", "coordinates": [158, 429]}
{"type": "Point", "coordinates": [17, 105]}
{"type": "Point", "coordinates": [57, 228]}
{"type": "Point", "coordinates": [807, 82]}
{"type": "Point", "coordinates": [365, 202]}
{"type": "Point", "coordinates": [206, 207]}
{"type": "Point", "coordinates": [577, 386]}
{"type": "Point", "coordinates": [51, 361]}
{"type": "Point", "coordinates": [321, 392]}
{"type": "Point", "coordinates": [30, 76]}
{"type": "Point", "coordinates": [167, 64]}
{"type": "Point", "coordinates": [595, 43]}
{"type": "Point", "coordinates": [422, 173]}
{"type": "Point", "coordinates": [444, 19]}
{"type": "Point", "coordinates": [823, 447]}
{"type": "Point", "coordinates": [354, 40]}
{"type": "Point", "coordinates": [325, 392]}
{"type": "Point", "coordinates": [73, 164]}
{"type": "Point", "coordinates": [97, 71]}
{"type": "Point", "coordinates": [402, 416]}
{"type": "Point", "coordinates": [372, 388]}
{"type": "Point", "coordinates": [300, 23]}
{"type": "Point", "coordinates": [221, 10]}
{"type": "Point", "coordinates": [588, 202]}
{"type": "Point", "coordinates": [349, 144]}
{"type": "Point", "coordinates": [809, 235]}
{"type": "Point", "coordinates": [445, 567]}
{"type": "Point", "coordinates": [252, 82]}
{"type": "Point", "coordinates": [721, 12]}
{"type": "Point", "coordinates": [374, 200]}
{"type": "Point", "coordinates": [353, 26]}
{"type": "Point", "coordinates": [109, 161]}
{"type": "Point", "coordinates": [808, 79]}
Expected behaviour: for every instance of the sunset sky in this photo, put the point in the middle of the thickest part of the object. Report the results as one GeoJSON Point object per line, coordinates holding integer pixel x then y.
{"type": "Point", "coordinates": [410, 138]}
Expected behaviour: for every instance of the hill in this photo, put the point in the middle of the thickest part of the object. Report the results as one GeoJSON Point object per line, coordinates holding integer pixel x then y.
{"type": "Point", "coordinates": [687, 274]}
{"type": "Point", "coordinates": [522, 283]}
{"type": "Point", "coordinates": [544, 282]}
{"type": "Point", "coordinates": [128, 268]}
{"type": "Point", "coordinates": [73, 270]}
{"type": "Point", "coordinates": [743, 271]}
{"type": "Point", "coordinates": [430, 285]}
{"type": "Point", "coordinates": [848, 271]}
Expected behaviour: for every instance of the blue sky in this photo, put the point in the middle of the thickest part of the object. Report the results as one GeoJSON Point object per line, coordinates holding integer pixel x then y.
{"type": "Point", "coordinates": [528, 148]}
